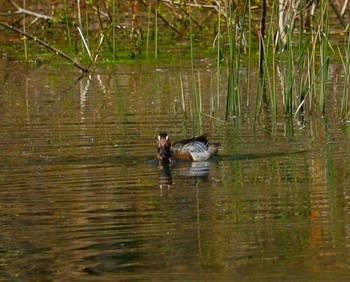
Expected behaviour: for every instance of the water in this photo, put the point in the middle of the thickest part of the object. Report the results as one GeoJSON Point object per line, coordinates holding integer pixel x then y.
{"type": "Point", "coordinates": [82, 197]}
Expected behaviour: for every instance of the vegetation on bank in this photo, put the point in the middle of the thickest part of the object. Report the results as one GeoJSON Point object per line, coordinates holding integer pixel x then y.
{"type": "Point", "coordinates": [288, 44]}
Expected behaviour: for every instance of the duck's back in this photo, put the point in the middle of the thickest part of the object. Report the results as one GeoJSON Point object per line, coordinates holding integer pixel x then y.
{"type": "Point", "coordinates": [198, 150]}
{"type": "Point", "coordinates": [195, 148]}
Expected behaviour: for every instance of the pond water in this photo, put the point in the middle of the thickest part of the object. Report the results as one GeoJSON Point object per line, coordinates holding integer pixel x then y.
{"type": "Point", "coordinates": [82, 197]}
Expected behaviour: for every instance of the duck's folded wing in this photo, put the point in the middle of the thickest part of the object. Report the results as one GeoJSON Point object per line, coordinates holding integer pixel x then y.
{"type": "Point", "coordinates": [198, 150]}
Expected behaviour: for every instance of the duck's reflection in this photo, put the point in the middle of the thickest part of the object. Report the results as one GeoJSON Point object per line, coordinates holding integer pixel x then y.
{"type": "Point", "coordinates": [183, 169]}
{"type": "Point", "coordinates": [165, 177]}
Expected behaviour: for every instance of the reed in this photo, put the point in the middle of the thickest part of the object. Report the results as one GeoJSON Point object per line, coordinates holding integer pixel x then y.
{"type": "Point", "coordinates": [346, 64]}
{"type": "Point", "coordinates": [301, 63]}
{"type": "Point", "coordinates": [324, 41]}
{"type": "Point", "coordinates": [193, 78]}
{"type": "Point", "coordinates": [268, 76]}
{"type": "Point", "coordinates": [232, 99]}
{"type": "Point", "coordinates": [148, 30]}
{"type": "Point", "coordinates": [248, 3]}
{"type": "Point", "coordinates": [156, 32]}
{"type": "Point", "coordinates": [286, 64]}
{"type": "Point", "coordinates": [261, 79]}
{"type": "Point", "coordinates": [218, 61]}
{"type": "Point", "coordinates": [315, 76]}
{"type": "Point", "coordinates": [239, 29]}
{"type": "Point", "coordinates": [199, 116]}
{"type": "Point", "coordinates": [114, 40]}
{"type": "Point", "coordinates": [305, 73]}
{"type": "Point", "coordinates": [312, 74]}
{"type": "Point", "coordinates": [266, 82]}
{"type": "Point", "coordinates": [273, 77]}
{"type": "Point", "coordinates": [80, 28]}
{"type": "Point", "coordinates": [66, 15]}
{"type": "Point", "coordinates": [289, 78]}
{"type": "Point", "coordinates": [306, 66]}
{"type": "Point", "coordinates": [24, 31]}
{"type": "Point", "coordinates": [183, 103]}
{"type": "Point", "coordinates": [196, 101]}
{"type": "Point", "coordinates": [87, 29]}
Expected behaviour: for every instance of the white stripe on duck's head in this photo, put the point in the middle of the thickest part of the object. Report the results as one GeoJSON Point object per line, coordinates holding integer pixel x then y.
{"type": "Point", "coordinates": [163, 146]}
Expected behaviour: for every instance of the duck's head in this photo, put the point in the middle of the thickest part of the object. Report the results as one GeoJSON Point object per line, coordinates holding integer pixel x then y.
{"type": "Point", "coordinates": [163, 146]}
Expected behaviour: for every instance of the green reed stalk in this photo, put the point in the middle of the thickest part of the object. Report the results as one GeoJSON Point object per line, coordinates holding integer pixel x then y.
{"type": "Point", "coordinates": [289, 79]}
{"type": "Point", "coordinates": [67, 23]}
{"type": "Point", "coordinates": [24, 30]}
{"type": "Point", "coordinates": [309, 72]}
{"type": "Point", "coordinates": [346, 64]}
{"type": "Point", "coordinates": [312, 69]}
{"type": "Point", "coordinates": [156, 32]}
{"type": "Point", "coordinates": [148, 29]}
{"type": "Point", "coordinates": [218, 61]}
{"type": "Point", "coordinates": [114, 43]}
{"type": "Point", "coordinates": [271, 82]}
{"type": "Point", "coordinates": [87, 25]}
{"type": "Point", "coordinates": [301, 59]}
{"type": "Point", "coordinates": [231, 91]}
{"type": "Point", "coordinates": [264, 70]}
{"type": "Point", "coordinates": [305, 72]}
{"type": "Point", "coordinates": [324, 54]}
{"type": "Point", "coordinates": [80, 25]}
{"type": "Point", "coordinates": [236, 97]}
{"type": "Point", "coordinates": [194, 88]}
{"type": "Point", "coordinates": [200, 107]}
{"type": "Point", "coordinates": [238, 53]}
{"type": "Point", "coordinates": [312, 86]}
{"type": "Point", "coordinates": [261, 79]}
{"type": "Point", "coordinates": [306, 65]}
{"type": "Point", "coordinates": [183, 104]}
{"type": "Point", "coordinates": [249, 50]}
{"type": "Point", "coordinates": [274, 60]}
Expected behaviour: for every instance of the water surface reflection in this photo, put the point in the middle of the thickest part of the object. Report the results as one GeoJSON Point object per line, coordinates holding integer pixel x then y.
{"type": "Point", "coordinates": [82, 199]}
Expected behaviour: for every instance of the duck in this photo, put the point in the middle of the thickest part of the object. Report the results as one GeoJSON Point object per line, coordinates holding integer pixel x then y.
{"type": "Point", "coordinates": [194, 149]}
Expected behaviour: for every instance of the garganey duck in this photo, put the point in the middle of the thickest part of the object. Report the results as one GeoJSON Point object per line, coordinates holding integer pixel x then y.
{"type": "Point", "coordinates": [193, 149]}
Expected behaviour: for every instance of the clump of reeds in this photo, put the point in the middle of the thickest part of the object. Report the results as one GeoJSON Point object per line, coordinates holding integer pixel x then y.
{"type": "Point", "coordinates": [290, 68]}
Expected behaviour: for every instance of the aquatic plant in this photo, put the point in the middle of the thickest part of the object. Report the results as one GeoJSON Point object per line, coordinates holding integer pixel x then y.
{"type": "Point", "coordinates": [218, 61]}
{"type": "Point", "coordinates": [324, 41]}
{"type": "Point", "coordinates": [114, 39]}
{"type": "Point", "coordinates": [66, 16]}
{"type": "Point", "coordinates": [344, 111]}
{"type": "Point", "coordinates": [148, 31]}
